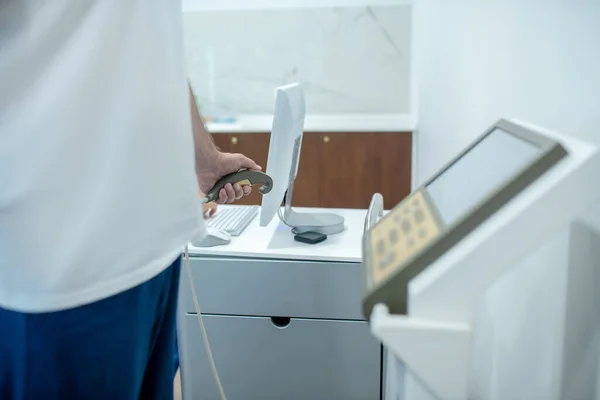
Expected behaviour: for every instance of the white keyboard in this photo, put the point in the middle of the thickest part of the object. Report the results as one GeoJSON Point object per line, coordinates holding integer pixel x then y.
{"type": "Point", "coordinates": [232, 219]}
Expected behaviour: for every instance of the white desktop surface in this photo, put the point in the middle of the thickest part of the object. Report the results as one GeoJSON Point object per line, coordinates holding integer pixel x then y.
{"type": "Point", "coordinates": [276, 241]}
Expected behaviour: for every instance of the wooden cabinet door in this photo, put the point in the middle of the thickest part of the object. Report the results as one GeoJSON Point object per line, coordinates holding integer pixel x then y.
{"type": "Point", "coordinates": [355, 165]}
{"type": "Point", "coordinates": [254, 146]}
{"type": "Point", "coordinates": [337, 170]}
{"type": "Point", "coordinates": [222, 141]}
{"type": "Point", "coordinates": [307, 189]}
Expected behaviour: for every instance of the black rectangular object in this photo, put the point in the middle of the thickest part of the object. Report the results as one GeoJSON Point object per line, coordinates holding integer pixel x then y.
{"type": "Point", "coordinates": [310, 237]}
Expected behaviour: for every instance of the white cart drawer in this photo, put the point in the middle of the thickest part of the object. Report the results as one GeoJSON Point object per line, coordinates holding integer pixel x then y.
{"type": "Point", "coordinates": [258, 287]}
{"type": "Point", "coordinates": [305, 360]}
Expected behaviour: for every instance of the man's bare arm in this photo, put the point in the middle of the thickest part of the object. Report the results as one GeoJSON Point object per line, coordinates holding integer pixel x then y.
{"type": "Point", "coordinates": [205, 150]}
{"type": "Point", "coordinates": [211, 164]}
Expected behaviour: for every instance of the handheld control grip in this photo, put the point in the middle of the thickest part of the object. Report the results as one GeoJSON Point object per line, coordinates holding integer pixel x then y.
{"type": "Point", "coordinates": [243, 177]}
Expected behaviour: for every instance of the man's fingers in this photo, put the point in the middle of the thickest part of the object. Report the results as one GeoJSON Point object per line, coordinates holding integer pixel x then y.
{"type": "Point", "coordinates": [209, 209]}
{"type": "Point", "coordinates": [230, 193]}
{"type": "Point", "coordinates": [237, 189]}
{"type": "Point", "coordinates": [222, 197]}
{"type": "Point", "coordinates": [234, 162]}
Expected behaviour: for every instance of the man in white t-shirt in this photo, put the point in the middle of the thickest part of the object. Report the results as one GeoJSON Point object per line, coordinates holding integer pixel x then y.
{"type": "Point", "coordinates": [102, 156]}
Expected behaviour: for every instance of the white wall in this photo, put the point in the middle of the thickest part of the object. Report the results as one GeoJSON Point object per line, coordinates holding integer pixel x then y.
{"type": "Point", "coordinates": [539, 61]}
{"type": "Point", "coordinates": [351, 60]}
{"type": "Point", "coordinates": [202, 5]}
{"type": "Point", "coordinates": [478, 60]}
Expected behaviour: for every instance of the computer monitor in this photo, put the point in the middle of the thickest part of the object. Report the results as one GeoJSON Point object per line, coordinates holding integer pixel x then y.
{"type": "Point", "coordinates": [282, 166]}
{"type": "Point", "coordinates": [284, 147]}
{"type": "Point", "coordinates": [488, 174]}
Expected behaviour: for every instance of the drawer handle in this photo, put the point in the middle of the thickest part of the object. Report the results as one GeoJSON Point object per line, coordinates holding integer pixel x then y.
{"type": "Point", "coordinates": [281, 322]}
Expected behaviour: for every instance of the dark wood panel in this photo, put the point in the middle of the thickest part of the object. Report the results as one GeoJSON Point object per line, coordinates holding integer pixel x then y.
{"type": "Point", "coordinates": [337, 170]}
{"type": "Point", "coordinates": [256, 147]}
{"type": "Point", "coordinates": [355, 165]}
{"type": "Point", "coordinates": [222, 141]}
{"type": "Point", "coordinates": [395, 167]}
{"type": "Point", "coordinates": [306, 187]}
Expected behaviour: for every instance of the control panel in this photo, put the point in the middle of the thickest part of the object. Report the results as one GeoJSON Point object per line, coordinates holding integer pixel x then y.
{"type": "Point", "coordinates": [401, 234]}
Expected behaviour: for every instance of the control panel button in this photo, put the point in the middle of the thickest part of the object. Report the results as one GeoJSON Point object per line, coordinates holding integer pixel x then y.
{"type": "Point", "coordinates": [393, 236]}
{"type": "Point", "coordinates": [419, 216]}
{"type": "Point", "coordinates": [406, 226]}
{"type": "Point", "coordinates": [401, 235]}
{"type": "Point", "coordinates": [386, 260]}
{"type": "Point", "coordinates": [380, 247]}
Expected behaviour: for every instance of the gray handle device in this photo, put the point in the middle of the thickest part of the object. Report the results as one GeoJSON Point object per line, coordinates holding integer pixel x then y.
{"type": "Point", "coordinates": [243, 177]}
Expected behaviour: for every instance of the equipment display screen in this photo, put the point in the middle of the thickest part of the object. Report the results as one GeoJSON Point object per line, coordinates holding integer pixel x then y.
{"type": "Point", "coordinates": [479, 172]}
{"type": "Point", "coordinates": [488, 174]}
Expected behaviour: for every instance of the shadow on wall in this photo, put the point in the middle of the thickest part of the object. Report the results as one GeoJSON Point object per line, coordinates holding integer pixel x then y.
{"type": "Point", "coordinates": [537, 333]}
{"type": "Point", "coordinates": [581, 353]}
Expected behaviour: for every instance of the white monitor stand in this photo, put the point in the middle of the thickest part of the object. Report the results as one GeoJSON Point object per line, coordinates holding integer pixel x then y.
{"type": "Point", "coordinates": [325, 223]}
{"type": "Point", "coordinates": [282, 165]}
{"type": "Point", "coordinates": [472, 224]}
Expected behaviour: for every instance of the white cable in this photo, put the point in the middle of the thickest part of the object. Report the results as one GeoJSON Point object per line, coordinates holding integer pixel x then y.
{"type": "Point", "coordinates": [202, 328]}
{"type": "Point", "coordinates": [281, 217]}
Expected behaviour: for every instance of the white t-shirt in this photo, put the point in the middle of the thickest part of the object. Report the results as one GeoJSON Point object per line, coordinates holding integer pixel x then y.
{"type": "Point", "coordinates": [98, 190]}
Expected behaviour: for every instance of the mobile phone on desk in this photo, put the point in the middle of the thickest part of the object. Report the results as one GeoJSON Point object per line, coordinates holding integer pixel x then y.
{"type": "Point", "coordinates": [310, 237]}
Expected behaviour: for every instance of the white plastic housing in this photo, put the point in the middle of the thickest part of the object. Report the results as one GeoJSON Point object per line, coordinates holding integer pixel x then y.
{"type": "Point", "coordinates": [435, 339]}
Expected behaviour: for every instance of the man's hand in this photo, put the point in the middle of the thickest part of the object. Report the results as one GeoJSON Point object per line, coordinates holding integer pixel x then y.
{"type": "Point", "coordinates": [222, 164]}
{"type": "Point", "coordinates": [212, 165]}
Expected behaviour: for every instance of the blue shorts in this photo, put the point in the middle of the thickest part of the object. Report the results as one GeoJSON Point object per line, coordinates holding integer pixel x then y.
{"type": "Point", "coordinates": [118, 348]}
